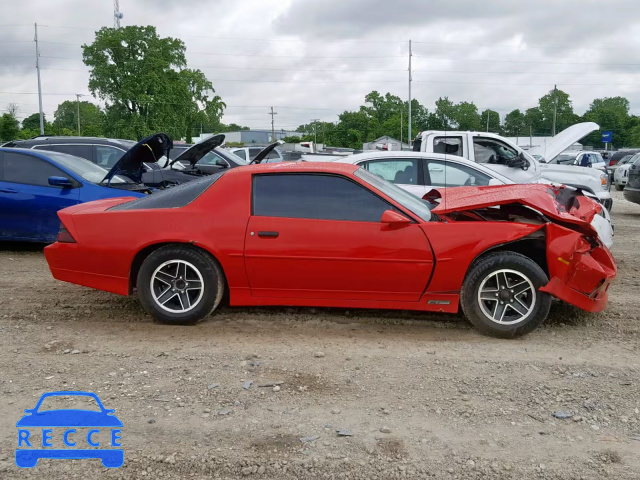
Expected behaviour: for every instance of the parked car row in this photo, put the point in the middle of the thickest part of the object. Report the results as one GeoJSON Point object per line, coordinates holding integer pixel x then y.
{"type": "Point", "coordinates": [40, 176]}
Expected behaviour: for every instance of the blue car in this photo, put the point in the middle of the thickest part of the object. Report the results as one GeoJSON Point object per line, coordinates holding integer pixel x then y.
{"type": "Point", "coordinates": [36, 430]}
{"type": "Point", "coordinates": [35, 184]}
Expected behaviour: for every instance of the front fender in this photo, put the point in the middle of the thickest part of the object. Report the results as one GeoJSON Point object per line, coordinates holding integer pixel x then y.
{"type": "Point", "coordinates": [457, 244]}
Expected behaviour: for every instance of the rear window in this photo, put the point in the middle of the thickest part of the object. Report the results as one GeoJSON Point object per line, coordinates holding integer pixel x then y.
{"type": "Point", "coordinates": [174, 197]}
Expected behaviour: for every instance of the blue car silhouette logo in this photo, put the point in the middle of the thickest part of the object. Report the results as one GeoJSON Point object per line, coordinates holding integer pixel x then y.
{"type": "Point", "coordinates": [36, 429]}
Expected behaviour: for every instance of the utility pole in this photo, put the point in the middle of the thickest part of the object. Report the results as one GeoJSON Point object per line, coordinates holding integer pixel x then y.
{"type": "Point", "coordinates": [401, 128]}
{"type": "Point", "coordinates": [530, 137]}
{"type": "Point", "coordinates": [78, 95]}
{"type": "Point", "coordinates": [315, 130]}
{"type": "Point", "coordinates": [409, 126]}
{"type": "Point", "coordinates": [39, 83]}
{"type": "Point", "coordinates": [273, 131]}
{"type": "Point", "coordinates": [555, 109]}
{"type": "Point", "coordinates": [488, 120]}
{"type": "Point", "coordinates": [117, 15]}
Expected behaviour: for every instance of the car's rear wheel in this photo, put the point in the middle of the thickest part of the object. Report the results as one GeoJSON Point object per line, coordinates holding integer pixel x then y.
{"type": "Point", "coordinates": [500, 295]}
{"type": "Point", "coordinates": [619, 187]}
{"type": "Point", "coordinates": [180, 284]}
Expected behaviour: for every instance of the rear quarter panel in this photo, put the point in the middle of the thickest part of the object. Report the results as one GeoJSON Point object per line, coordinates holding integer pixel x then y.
{"type": "Point", "coordinates": [108, 241]}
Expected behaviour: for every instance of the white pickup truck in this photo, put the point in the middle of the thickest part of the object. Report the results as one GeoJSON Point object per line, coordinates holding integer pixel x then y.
{"type": "Point", "coordinates": [502, 156]}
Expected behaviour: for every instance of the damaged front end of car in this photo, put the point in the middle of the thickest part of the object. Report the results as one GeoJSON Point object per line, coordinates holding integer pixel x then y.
{"type": "Point", "coordinates": [580, 267]}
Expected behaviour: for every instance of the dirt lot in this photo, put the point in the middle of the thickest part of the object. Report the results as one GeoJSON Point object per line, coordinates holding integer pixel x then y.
{"type": "Point", "coordinates": [424, 396]}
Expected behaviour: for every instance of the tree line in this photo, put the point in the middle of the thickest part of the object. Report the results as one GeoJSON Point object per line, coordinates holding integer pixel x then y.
{"type": "Point", "coordinates": [388, 115]}
{"type": "Point", "coordinates": [146, 86]}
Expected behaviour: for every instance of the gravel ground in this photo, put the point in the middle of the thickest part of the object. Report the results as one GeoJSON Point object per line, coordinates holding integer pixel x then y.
{"type": "Point", "coordinates": [422, 395]}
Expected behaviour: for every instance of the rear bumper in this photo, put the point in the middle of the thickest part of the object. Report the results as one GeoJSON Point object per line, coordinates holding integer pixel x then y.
{"type": "Point", "coordinates": [580, 273]}
{"type": "Point", "coordinates": [65, 263]}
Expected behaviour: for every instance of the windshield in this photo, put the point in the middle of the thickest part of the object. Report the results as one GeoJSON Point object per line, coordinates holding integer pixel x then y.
{"type": "Point", "coordinates": [627, 159]}
{"type": "Point", "coordinates": [235, 158]}
{"type": "Point", "coordinates": [86, 169]}
{"type": "Point", "coordinates": [404, 198]}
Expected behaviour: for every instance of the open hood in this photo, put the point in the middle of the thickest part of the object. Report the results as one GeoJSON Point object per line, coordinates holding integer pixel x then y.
{"type": "Point", "coordinates": [563, 204]}
{"type": "Point", "coordinates": [558, 144]}
{"type": "Point", "coordinates": [195, 153]}
{"type": "Point", "coordinates": [266, 151]}
{"type": "Point", "coordinates": [148, 150]}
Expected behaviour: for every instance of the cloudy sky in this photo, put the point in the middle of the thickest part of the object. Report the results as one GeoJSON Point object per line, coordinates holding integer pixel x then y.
{"type": "Point", "coordinates": [313, 59]}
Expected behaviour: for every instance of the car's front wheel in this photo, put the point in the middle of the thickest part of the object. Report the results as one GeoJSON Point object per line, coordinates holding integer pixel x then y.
{"type": "Point", "coordinates": [500, 295]}
{"type": "Point", "coordinates": [180, 284]}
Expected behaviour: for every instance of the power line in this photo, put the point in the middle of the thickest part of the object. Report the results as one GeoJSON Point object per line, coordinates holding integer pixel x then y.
{"type": "Point", "coordinates": [527, 61]}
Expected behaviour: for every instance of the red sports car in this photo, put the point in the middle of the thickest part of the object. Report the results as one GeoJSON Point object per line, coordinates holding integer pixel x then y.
{"type": "Point", "coordinates": [336, 235]}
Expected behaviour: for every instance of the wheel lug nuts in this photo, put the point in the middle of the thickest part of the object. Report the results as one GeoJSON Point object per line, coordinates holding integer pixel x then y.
{"type": "Point", "coordinates": [511, 291]}
{"type": "Point", "coordinates": [497, 294]}
{"type": "Point", "coordinates": [501, 302]}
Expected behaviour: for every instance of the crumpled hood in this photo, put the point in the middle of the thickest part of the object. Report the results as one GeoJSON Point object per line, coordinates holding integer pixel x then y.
{"type": "Point", "coordinates": [566, 205]}
{"type": "Point", "coordinates": [194, 154]}
{"type": "Point", "coordinates": [148, 150]}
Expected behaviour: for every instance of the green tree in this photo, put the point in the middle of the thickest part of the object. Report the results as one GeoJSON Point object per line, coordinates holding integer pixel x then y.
{"type": "Point", "coordinates": [32, 122]}
{"type": "Point", "coordinates": [446, 113]}
{"type": "Point", "coordinates": [9, 127]}
{"type": "Point", "coordinates": [565, 116]}
{"type": "Point", "coordinates": [534, 122]}
{"type": "Point", "coordinates": [291, 139]}
{"type": "Point", "coordinates": [146, 83]}
{"type": "Point", "coordinates": [467, 117]}
{"type": "Point", "coordinates": [515, 124]}
{"type": "Point", "coordinates": [611, 114]}
{"type": "Point", "coordinates": [633, 137]}
{"type": "Point", "coordinates": [92, 119]}
{"type": "Point", "coordinates": [494, 121]}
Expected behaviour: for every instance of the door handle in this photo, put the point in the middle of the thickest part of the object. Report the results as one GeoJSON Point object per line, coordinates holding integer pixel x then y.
{"type": "Point", "coordinates": [8, 190]}
{"type": "Point", "coordinates": [268, 234]}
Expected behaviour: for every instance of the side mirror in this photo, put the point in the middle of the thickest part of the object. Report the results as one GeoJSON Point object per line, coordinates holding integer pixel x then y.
{"type": "Point", "coordinates": [60, 182]}
{"type": "Point", "coordinates": [493, 181]}
{"type": "Point", "coordinates": [220, 163]}
{"type": "Point", "coordinates": [392, 217]}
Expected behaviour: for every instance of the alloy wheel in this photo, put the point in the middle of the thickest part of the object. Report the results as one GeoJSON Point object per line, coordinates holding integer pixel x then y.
{"type": "Point", "coordinates": [506, 297]}
{"type": "Point", "coordinates": [177, 286]}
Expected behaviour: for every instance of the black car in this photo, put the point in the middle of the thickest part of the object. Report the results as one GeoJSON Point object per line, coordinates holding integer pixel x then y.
{"type": "Point", "coordinates": [632, 188]}
{"type": "Point", "coordinates": [191, 162]}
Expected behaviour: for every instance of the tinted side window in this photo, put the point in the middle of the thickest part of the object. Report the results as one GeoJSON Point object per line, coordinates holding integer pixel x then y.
{"type": "Point", "coordinates": [323, 197]}
{"type": "Point", "coordinates": [241, 154]}
{"type": "Point", "coordinates": [401, 171]}
{"type": "Point", "coordinates": [107, 156]}
{"type": "Point", "coordinates": [82, 151]}
{"type": "Point", "coordinates": [443, 174]}
{"type": "Point", "coordinates": [20, 168]}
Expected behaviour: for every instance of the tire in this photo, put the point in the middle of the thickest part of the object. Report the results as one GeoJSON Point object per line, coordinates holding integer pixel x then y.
{"type": "Point", "coordinates": [619, 187]}
{"type": "Point", "coordinates": [176, 272]}
{"type": "Point", "coordinates": [484, 273]}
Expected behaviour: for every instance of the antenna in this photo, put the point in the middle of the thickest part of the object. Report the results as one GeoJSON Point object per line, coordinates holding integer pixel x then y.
{"type": "Point", "coordinates": [117, 14]}
{"type": "Point", "coordinates": [35, 39]}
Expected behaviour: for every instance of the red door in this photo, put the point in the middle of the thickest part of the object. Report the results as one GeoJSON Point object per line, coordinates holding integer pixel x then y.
{"type": "Point", "coordinates": [327, 258]}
